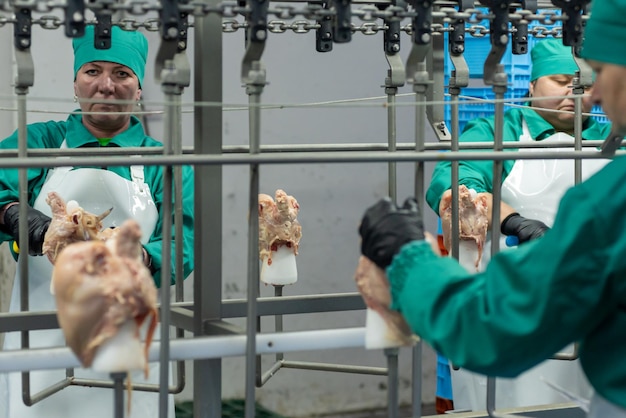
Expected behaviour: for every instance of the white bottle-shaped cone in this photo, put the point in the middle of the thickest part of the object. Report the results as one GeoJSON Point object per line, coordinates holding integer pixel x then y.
{"type": "Point", "coordinates": [283, 269]}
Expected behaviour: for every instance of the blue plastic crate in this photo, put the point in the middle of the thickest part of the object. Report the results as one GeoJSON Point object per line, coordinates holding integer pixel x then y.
{"type": "Point", "coordinates": [598, 114]}
{"type": "Point", "coordinates": [476, 51]}
{"type": "Point", "coordinates": [517, 67]}
{"type": "Point", "coordinates": [483, 106]}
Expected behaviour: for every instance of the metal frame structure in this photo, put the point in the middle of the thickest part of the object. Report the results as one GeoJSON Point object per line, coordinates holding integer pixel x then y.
{"type": "Point", "coordinates": [214, 337]}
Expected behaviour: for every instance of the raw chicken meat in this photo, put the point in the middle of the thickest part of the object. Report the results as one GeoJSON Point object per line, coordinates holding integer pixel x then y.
{"type": "Point", "coordinates": [278, 225]}
{"type": "Point", "coordinates": [473, 221]}
{"type": "Point", "coordinates": [102, 289]}
{"type": "Point", "coordinates": [392, 331]}
{"type": "Point", "coordinates": [70, 223]}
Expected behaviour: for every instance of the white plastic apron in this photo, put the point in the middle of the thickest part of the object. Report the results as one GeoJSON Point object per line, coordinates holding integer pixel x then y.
{"type": "Point", "coordinates": [534, 188]}
{"type": "Point", "coordinates": [96, 191]}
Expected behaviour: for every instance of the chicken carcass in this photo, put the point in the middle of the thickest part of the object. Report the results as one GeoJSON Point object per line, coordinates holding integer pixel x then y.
{"type": "Point", "coordinates": [473, 224]}
{"type": "Point", "coordinates": [279, 237]}
{"type": "Point", "coordinates": [384, 327]}
{"type": "Point", "coordinates": [70, 223]}
{"type": "Point", "coordinates": [104, 294]}
{"type": "Point", "coordinates": [278, 225]}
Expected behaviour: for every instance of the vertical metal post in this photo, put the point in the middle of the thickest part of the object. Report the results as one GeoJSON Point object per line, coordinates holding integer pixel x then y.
{"type": "Point", "coordinates": [420, 87]}
{"type": "Point", "coordinates": [392, 382]}
{"type": "Point", "coordinates": [391, 140]}
{"type": "Point", "coordinates": [499, 88]}
{"type": "Point", "coordinates": [172, 91]}
{"type": "Point", "coordinates": [416, 377]}
{"type": "Point", "coordinates": [118, 394]}
{"type": "Point", "coordinates": [255, 84]}
{"type": "Point", "coordinates": [207, 376]}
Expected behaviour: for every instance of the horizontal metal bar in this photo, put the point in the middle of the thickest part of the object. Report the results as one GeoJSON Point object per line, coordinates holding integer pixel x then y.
{"type": "Point", "coordinates": [28, 321]}
{"type": "Point", "coordinates": [181, 318]}
{"type": "Point", "coordinates": [288, 148]}
{"type": "Point", "coordinates": [329, 367]}
{"type": "Point", "coordinates": [286, 305]}
{"type": "Point", "coordinates": [196, 348]}
{"type": "Point", "coordinates": [108, 384]}
{"type": "Point", "coordinates": [301, 157]}
{"type": "Point", "coordinates": [213, 327]}
{"type": "Point", "coordinates": [182, 312]}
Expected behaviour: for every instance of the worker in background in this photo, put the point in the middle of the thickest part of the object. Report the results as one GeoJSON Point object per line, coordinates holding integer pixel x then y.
{"type": "Point", "coordinates": [529, 302]}
{"type": "Point", "coordinates": [107, 85]}
{"type": "Point", "coordinates": [531, 190]}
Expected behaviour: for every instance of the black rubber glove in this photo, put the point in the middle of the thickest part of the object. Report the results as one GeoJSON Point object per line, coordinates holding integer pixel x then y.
{"type": "Point", "coordinates": [385, 228]}
{"type": "Point", "coordinates": [523, 228]}
{"type": "Point", "coordinates": [37, 226]}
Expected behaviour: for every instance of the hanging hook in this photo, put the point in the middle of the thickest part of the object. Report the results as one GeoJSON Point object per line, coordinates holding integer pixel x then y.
{"type": "Point", "coordinates": [499, 35]}
{"type": "Point", "coordinates": [422, 35]}
{"type": "Point", "coordinates": [573, 26]}
{"type": "Point", "coordinates": [75, 18]}
{"type": "Point", "coordinates": [173, 43]}
{"type": "Point", "coordinates": [342, 24]}
{"type": "Point", "coordinates": [519, 39]}
{"type": "Point", "coordinates": [324, 34]}
{"type": "Point", "coordinates": [22, 40]}
{"type": "Point", "coordinates": [256, 37]}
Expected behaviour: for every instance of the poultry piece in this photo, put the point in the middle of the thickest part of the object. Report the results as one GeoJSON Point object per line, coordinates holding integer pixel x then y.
{"type": "Point", "coordinates": [278, 225]}
{"type": "Point", "coordinates": [104, 294]}
{"type": "Point", "coordinates": [473, 221]}
{"type": "Point", "coordinates": [70, 223]}
{"type": "Point", "coordinates": [392, 331]}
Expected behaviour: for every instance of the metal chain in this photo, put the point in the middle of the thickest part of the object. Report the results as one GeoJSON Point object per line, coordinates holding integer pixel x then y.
{"type": "Point", "coordinates": [477, 19]}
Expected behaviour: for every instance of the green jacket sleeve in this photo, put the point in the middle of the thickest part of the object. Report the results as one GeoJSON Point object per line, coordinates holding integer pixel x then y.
{"type": "Point", "coordinates": [531, 301]}
{"type": "Point", "coordinates": [477, 175]}
{"type": "Point", "coordinates": [155, 245]}
{"type": "Point", "coordinates": [40, 135]}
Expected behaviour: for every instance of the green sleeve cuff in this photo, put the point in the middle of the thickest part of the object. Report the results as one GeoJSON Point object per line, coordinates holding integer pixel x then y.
{"type": "Point", "coordinates": [415, 252]}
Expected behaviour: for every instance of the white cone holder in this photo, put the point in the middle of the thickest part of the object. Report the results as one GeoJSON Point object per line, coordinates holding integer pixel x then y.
{"type": "Point", "coordinates": [376, 332]}
{"type": "Point", "coordinates": [283, 269]}
{"type": "Point", "coordinates": [122, 353]}
{"type": "Point", "coordinates": [468, 254]}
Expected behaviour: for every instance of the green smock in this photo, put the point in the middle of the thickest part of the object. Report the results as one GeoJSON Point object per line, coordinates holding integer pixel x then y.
{"type": "Point", "coordinates": [530, 302]}
{"type": "Point", "coordinates": [478, 175]}
{"type": "Point", "coordinates": [52, 134]}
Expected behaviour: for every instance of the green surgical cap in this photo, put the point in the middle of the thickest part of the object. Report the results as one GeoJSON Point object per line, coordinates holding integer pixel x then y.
{"type": "Point", "coordinates": [129, 48]}
{"type": "Point", "coordinates": [551, 57]}
{"type": "Point", "coordinates": [605, 34]}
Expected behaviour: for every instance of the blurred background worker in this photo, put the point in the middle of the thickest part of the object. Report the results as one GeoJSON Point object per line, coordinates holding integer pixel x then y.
{"type": "Point", "coordinates": [529, 302]}
{"type": "Point", "coordinates": [531, 190]}
{"type": "Point", "coordinates": [107, 85]}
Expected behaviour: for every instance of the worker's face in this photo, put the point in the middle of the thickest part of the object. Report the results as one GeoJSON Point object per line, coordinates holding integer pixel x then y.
{"type": "Point", "coordinates": [98, 84]}
{"type": "Point", "coordinates": [610, 92]}
{"type": "Point", "coordinates": [559, 110]}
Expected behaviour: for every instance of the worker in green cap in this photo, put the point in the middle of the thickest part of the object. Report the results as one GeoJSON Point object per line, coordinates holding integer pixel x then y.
{"type": "Point", "coordinates": [531, 190]}
{"type": "Point", "coordinates": [549, 117]}
{"type": "Point", "coordinates": [529, 302]}
{"type": "Point", "coordinates": [107, 86]}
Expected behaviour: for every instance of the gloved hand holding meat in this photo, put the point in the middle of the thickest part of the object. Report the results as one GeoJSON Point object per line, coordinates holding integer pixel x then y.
{"type": "Point", "coordinates": [385, 228]}
{"type": "Point", "coordinates": [103, 294]}
{"type": "Point", "coordinates": [71, 223]}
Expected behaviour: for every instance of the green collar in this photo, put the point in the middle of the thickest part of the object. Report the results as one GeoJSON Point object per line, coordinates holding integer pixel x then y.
{"type": "Point", "coordinates": [540, 129]}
